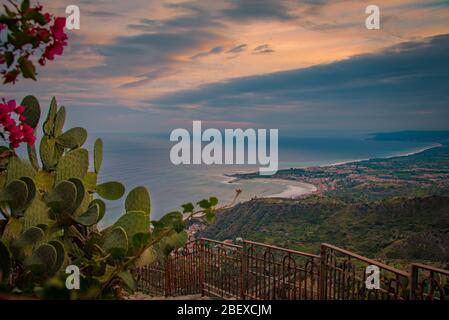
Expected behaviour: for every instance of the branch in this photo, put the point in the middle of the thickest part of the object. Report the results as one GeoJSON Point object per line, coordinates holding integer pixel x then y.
{"type": "Point", "coordinates": [156, 240]}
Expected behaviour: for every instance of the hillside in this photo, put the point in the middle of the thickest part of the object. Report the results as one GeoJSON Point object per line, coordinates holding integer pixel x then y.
{"type": "Point", "coordinates": [397, 228]}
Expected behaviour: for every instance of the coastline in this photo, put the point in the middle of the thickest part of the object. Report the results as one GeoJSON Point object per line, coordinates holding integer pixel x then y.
{"type": "Point", "coordinates": [298, 189]}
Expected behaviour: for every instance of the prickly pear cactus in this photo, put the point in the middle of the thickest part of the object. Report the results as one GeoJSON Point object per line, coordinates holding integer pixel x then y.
{"type": "Point", "coordinates": [50, 209]}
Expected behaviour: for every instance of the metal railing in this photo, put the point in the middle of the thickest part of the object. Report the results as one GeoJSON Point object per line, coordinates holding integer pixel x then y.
{"type": "Point", "coordinates": [273, 273]}
{"type": "Point", "coordinates": [343, 277]}
{"type": "Point", "coordinates": [254, 271]}
{"type": "Point", "coordinates": [429, 283]}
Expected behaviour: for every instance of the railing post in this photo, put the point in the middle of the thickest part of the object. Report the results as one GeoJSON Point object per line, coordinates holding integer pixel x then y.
{"type": "Point", "coordinates": [414, 282]}
{"type": "Point", "coordinates": [202, 265]}
{"type": "Point", "coordinates": [243, 271]}
{"type": "Point", "coordinates": [167, 265]}
{"type": "Point", "coordinates": [323, 273]}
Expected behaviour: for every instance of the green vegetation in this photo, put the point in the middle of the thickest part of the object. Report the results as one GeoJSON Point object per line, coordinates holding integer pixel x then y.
{"type": "Point", "coordinates": [393, 229]}
{"type": "Point", "coordinates": [50, 214]}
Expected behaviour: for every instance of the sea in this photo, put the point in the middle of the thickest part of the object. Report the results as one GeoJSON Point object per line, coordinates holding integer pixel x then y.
{"type": "Point", "coordinates": [137, 159]}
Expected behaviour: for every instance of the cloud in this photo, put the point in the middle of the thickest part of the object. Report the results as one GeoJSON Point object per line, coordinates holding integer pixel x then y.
{"type": "Point", "coordinates": [146, 55]}
{"type": "Point", "coordinates": [257, 9]}
{"type": "Point", "coordinates": [392, 86]}
{"type": "Point", "coordinates": [101, 14]}
{"type": "Point", "coordinates": [213, 51]}
{"type": "Point", "coordinates": [263, 49]}
{"type": "Point", "coordinates": [238, 49]}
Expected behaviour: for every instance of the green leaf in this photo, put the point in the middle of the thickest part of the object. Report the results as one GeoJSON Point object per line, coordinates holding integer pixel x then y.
{"type": "Point", "coordinates": [213, 201]}
{"type": "Point", "coordinates": [60, 256]}
{"type": "Point", "coordinates": [62, 197]}
{"type": "Point", "coordinates": [134, 222]}
{"type": "Point", "coordinates": [72, 138]}
{"type": "Point", "coordinates": [98, 155]}
{"type": "Point", "coordinates": [111, 190]}
{"type": "Point", "coordinates": [25, 6]}
{"type": "Point", "coordinates": [204, 204]}
{"type": "Point", "coordinates": [59, 121]}
{"type": "Point", "coordinates": [80, 193]}
{"type": "Point", "coordinates": [128, 280]}
{"type": "Point", "coordinates": [173, 241]}
{"type": "Point", "coordinates": [9, 58]}
{"type": "Point", "coordinates": [90, 217]}
{"type": "Point", "coordinates": [170, 220]}
{"type": "Point", "coordinates": [32, 111]}
{"type": "Point", "coordinates": [31, 187]}
{"type": "Point", "coordinates": [47, 151]}
{"type": "Point", "coordinates": [16, 195]}
{"type": "Point", "coordinates": [188, 208]}
{"type": "Point", "coordinates": [146, 258]}
{"type": "Point", "coordinates": [36, 17]}
{"type": "Point", "coordinates": [43, 259]}
{"type": "Point", "coordinates": [141, 239]}
{"type": "Point", "coordinates": [101, 208]}
{"type": "Point", "coordinates": [49, 122]}
{"type": "Point", "coordinates": [74, 164]}
{"type": "Point", "coordinates": [30, 237]}
{"type": "Point", "coordinates": [138, 199]}
{"type": "Point", "coordinates": [32, 156]}
{"type": "Point", "coordinates": [116, 242]}
{"type": "Point", "coordinates": [27, 68]}
{"type": "Point", "coordinates": [210, 216]}
{"type": "Point", "coordinates": [18, 168]}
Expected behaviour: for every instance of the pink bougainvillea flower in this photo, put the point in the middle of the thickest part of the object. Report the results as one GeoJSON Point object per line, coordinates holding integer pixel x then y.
{"type": "Point", "coordinates": [57, 29]}
{"type": "Point", "coordinates": [19, 109]}
{"type": "Point", "coordinates": [17, 132]}
{"type": "Point", "coordinates": [47, 17]}
{"type": "Point", "coordinates": [11, 105]}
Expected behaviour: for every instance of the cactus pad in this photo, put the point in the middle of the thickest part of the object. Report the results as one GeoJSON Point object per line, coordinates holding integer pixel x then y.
{"type": "Point", "coordinates": [59, 122]}
{"type": "Point", "coordinates": [116, 242]}
{"type": "Point", "coordinates": [111, 190]}
{"type": "Point", "coordinates": [16, 195]}
{"type": "Point", "coordinates": [48, 152]}
{"type": "Point", "coordinates": [98, 155]}
{"type": "Point", "coordinates": [50, 121]}
{"type": "Point", "coordinates": [73, 165]}
{"type": "Point", "coordinates": [90, 217]}
{"type": "Point", "coordinates": [101, 208]}
{"type": "Point", "coordinates": [72, 138]}
{"type": "Point", "coordinates": [30, 237]}
{"type": "Point", "coordinates": [134, 222]}
{"type": "Point", "coordinates": [80, 193]}
{"type": "Point", "coordinates": [62, 197]}
{"type": "Point", "coordinates": [43, 259]}
{"type": "Point", "coordinates": [138, 199]}
{"type": "Point", "coordinates": [36, 214]}
{"type": "Point", "coordinates": [60, 255]}
{"type": "Point", "coordinates": [18, 168]}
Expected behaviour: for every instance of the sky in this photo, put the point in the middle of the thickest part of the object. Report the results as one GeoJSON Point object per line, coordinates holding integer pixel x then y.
{"type": "Point", "coordinates": [153, 66]}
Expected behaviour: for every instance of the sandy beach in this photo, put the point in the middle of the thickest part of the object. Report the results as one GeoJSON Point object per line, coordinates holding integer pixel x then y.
{"type": "Point", "coordinates": [293, 189]}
